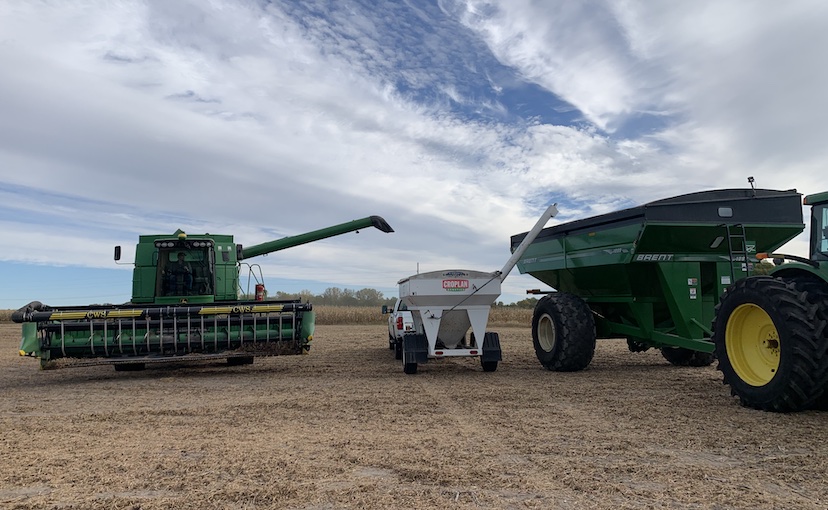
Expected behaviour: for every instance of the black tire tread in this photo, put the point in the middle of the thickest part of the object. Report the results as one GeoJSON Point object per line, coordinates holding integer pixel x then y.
{"type": "Point", "coordinates": [803, 369]}
{"type": "Point", "coordinates": [575, 332]}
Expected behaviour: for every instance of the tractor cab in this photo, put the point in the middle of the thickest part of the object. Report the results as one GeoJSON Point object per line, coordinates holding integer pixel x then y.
{"type": "Point", "coordinates": [819, 226]}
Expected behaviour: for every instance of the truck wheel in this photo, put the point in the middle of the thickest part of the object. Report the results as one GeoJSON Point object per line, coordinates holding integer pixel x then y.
{"type": "Point", "coordinates": [681, 357]}
{"type": "Point", "coordinates": [563, 332]}
{"type": "Point", "coordinates": [770, 342]}
{"type": "Point", "coordinates": [397, 350]}
{"type": "Point", "coordinates": [410, 368]}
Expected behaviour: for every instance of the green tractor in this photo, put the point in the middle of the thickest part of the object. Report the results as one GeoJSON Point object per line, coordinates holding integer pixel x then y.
{"type": "Point", "coordinates": [185, 307]}
{"type": "Point", "coordinates": [771, 331]}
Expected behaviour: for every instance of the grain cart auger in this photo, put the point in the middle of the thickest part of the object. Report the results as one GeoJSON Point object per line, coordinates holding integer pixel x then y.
{"type": "Point", "coordinates": [652, 274]}
{"type": "Point", "coordinates": [771, 331]}
{"type": "Point", "coordinates": [185, 306]}
{"type": "Point", "coordinates": [445, 304]}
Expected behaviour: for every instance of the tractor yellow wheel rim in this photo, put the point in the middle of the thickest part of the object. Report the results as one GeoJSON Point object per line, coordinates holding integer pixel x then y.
{"type": "Point", "coordinates": [752, 344]}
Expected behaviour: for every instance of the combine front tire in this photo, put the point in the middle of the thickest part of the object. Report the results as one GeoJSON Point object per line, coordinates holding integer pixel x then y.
{"type": "Point", "coordinates": [770, 342]}
{"type": "Point", "coordinates": [239, 360]}
{"type": "Point", "coordinates": [563, 332]}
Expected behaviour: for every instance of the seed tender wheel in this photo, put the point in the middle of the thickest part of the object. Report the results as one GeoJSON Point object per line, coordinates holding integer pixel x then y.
{"type": "Point", "coordinates": [681, 357]}
{"type": "Point", "coordinates": [409, 343]}
{"type": "Point", "coordinates": [770, 342]}
{"type": "Point", "coordinates": [491, 351]}
{"type": "Point", "coordinates": [563, 332]}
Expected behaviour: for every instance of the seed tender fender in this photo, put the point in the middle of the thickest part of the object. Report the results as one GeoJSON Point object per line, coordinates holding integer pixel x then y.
{"type": "Point", "coordinates": [445, 304]}
{"type": "Point", "coordinates": [185, 306]}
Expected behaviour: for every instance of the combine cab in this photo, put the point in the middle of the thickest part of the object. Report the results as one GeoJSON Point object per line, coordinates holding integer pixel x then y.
{"type": "Point", "coordinates": [184, 307]}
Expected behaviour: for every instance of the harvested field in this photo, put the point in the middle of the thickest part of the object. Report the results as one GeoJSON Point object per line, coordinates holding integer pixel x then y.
{"type": "Point", "coordinates": [344, 428]}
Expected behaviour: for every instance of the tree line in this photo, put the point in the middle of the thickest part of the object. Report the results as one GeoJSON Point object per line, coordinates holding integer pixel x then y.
{"type": "Point", "coordinates": [334, 296]}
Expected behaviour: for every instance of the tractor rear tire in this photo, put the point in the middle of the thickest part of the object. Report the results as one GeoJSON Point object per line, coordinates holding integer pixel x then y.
{"type": "Point", "coordinates": [563, 332]}
{"type": "Point", "coordinates": [770, 342]}
{"type": "Point", "coordinates": [681, 357]}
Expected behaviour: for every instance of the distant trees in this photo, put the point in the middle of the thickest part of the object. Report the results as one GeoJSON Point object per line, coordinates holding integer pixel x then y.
{"type": "Point", "coordinates": [523, 303]}
{"type": "Point", "coordinates": [334, 296]}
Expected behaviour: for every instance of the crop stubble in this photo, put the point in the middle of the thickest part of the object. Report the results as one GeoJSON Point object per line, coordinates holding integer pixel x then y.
{"type": "Point", "coordinates": [344, 427]}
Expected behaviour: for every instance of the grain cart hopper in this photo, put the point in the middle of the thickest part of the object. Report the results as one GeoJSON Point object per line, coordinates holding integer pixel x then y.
{"type": "Point", "coordinates": [651, 274]}
{"type": "Point", "coordinates": [771, 332]}
{"type": "Point", "coordinates": [185, 306]}
{"type": "Point", "coordinates": [445, 304]}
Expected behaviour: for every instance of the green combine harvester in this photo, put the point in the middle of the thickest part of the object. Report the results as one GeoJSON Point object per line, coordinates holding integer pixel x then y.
{"type": "Point", "coordinates": [676, 275]}
{"type": "Point", "coordinates": [185, 307]}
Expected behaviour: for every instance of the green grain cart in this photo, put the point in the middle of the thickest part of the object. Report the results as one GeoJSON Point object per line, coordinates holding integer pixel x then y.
{"type": "Point", "coordinates": [185, 306]}
{"type": "Point", "coordinates": [658, 274]}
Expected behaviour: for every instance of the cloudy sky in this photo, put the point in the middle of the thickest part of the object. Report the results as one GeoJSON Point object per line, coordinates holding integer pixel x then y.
{"type": "Point", "coordinates": [456, 121]}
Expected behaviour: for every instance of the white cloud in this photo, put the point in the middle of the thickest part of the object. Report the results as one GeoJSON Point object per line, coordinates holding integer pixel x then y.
{"type": "Point", "coordinates": [123, 118]}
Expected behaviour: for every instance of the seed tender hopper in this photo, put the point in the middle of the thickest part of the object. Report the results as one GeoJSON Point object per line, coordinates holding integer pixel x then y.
{"type": "Point", "coordinates": [185, 306]}
{"type": "Point", "coordinates": [652, 274]}
{"type": "Point", "coordinates": [445, 304]}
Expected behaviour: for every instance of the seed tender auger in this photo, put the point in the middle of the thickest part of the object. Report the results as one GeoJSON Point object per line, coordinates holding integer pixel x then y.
{"type": "Point", "coordinates": [185, 307]}
{"type": "Point", "coordinates": [445, 304]}
{"type": "Point", "coordinates": [676, 274]}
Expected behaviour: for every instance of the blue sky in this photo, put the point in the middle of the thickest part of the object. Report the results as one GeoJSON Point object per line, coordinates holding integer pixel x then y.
{"type": "Point", "coordinates": [457, 121]}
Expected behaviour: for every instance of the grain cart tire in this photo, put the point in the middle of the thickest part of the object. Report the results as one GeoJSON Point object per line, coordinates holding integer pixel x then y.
{"type": "Point", "coordinates": [769, 340]}
{"type": "Point", "coordinates": [681, 357]}
{"type": "Point", "coordinates": [563, 332]}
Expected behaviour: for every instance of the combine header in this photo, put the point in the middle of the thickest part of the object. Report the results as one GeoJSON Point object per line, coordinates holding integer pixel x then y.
{"type": "Point", "coordinates": [184, 307]}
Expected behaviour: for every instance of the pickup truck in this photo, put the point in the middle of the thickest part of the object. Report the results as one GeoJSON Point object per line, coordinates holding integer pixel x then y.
{"type": "Point", "coordinates": [400, 322]}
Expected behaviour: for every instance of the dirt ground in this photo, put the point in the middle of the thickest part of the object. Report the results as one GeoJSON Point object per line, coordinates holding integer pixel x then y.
{"type": "Point", "coordinates": [343, 427]}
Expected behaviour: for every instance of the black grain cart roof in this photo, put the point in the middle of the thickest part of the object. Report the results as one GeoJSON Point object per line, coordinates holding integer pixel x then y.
{"type": "Point", "coordinates": [721, 206]}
